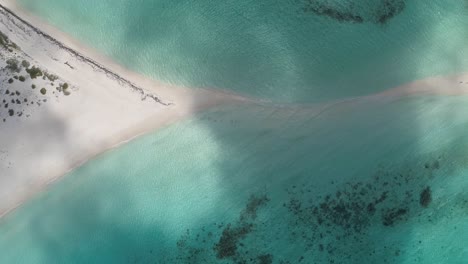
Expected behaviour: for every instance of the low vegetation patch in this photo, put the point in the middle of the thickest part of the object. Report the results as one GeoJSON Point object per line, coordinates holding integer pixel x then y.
{"type": "Point", "coordinates": [22, 78]}
{"type": "Point", "coordinates": [3, 39]}
{"type": "Point", "coordinates": [13, 65]}
{"type": "Point", "coordinates": [43, 91]}
{"type": "Point", "coordinates": [6, 43]}
{"type": "Point", "coordinates": [34, 72]}
{"type": "Point", "coordinates": [65, 89]}
{"type": "Point", "coordinates": [62, 87]}
{"type": "Point", "coordinates": [51, 77]}
{"type": "Point", "coordinates": [25, 64]}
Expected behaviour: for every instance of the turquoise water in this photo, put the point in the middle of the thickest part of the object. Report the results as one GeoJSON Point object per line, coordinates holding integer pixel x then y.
{"type": "Point", "coordinates": [368, 181]}
{"type": "Point", "coordinates": [268, 185]}
{"type": "Point", "coordinates": [281, 50]}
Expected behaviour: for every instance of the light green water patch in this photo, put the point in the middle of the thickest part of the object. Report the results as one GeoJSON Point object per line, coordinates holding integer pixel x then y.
{"type": "Point", "coordinates": [293, 51]}
{"type": "Point", "coordinates": [360, 183]}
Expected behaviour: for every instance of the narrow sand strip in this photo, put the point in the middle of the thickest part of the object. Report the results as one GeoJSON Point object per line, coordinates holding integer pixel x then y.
{"type": "Point", "coordinates": [104, 111]}
{"type": "Point", "coordinates": [48, 135]}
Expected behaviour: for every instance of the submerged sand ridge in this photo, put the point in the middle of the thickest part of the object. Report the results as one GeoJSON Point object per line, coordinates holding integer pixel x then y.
{"type": "Point", "coordinates": [107, 105]}
{"type": "Point", "coordinates": [367, 179]}
{"type": "Point", "coordinates": [48, 130]}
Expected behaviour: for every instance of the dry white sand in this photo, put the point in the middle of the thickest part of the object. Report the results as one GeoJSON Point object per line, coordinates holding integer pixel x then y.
{"type": "Point", "coordinates": [50, 138]}
{"type": "Point", "coordinates": [47, 141]}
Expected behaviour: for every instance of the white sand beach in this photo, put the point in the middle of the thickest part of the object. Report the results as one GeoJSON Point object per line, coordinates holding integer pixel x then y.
{"type": "Point", "coordinates": [53, 133]}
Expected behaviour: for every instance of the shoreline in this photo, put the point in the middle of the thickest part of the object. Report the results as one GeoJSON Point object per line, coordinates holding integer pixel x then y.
{"type": "Point", "coordinates": [101, 94]}
{"type": "Point", "coordinates": [89, 54]}
{"type": "Point", "coordinates": [169, 104]}
{"type": "Point", "coordinates": [46, 184]}
{"type": "Point", "coordinates": [81, 56]}
{"type": "Point", "coordinates": [104, 62]}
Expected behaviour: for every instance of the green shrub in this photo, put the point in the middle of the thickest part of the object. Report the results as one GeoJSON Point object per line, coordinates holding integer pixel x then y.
{"type": "Point", "coordinates": [10, 80]}
{"type": "Point", "coordinates": [43, 91]}
{"type": "Point", "coordinates": [64, 88]}
{"type": "Point", "coordinates": [7, 43]}
{"type": "Point", "coordinates": [33, 86]}
{"type": "Point", "coordinates": [13, 65]}
{"type": "Point", "coordinates": [13, 45]}
{"type": "Point", "coordinates": [3, 39]}
{"type": "Point", "coordinates": [16, 77]}
{"type": "Point", "coordinates": [21, 78]}
{"type": "Point", "coordinates": [51, 77]}
{"type": "Point", "coordinates": [25, 63]}
{"type": "Point", "coordinates": [34, 72]}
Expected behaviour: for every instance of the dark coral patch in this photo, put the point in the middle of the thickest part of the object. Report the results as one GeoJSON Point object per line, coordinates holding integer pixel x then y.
{"type": "Point", "coordinates": [265, 259]}
{"type": "Point", "coordinates": [381, 12]}
{"type": "Point", "coordinates": [389, 217]}
{"type": "Point", "coordinates": [228, 242]}
{"type": "Point", "coordinates": [389, 10]}
{"type": "Point", "coordinates": [425, 198]}
{"type": "Point", "coordinates": [322, 9]}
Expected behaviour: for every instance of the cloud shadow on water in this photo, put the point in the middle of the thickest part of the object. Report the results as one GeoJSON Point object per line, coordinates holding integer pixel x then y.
{"type": "Point", "coordinates": [337, 186]}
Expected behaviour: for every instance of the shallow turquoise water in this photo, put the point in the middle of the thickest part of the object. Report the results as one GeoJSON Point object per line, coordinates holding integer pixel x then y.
{"type": "Point", "coordinates": [281, 50]}
{"type": "Point", "coordinates": [365, 182]}
{"type": "Point", "coordinates": [267, 185]}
